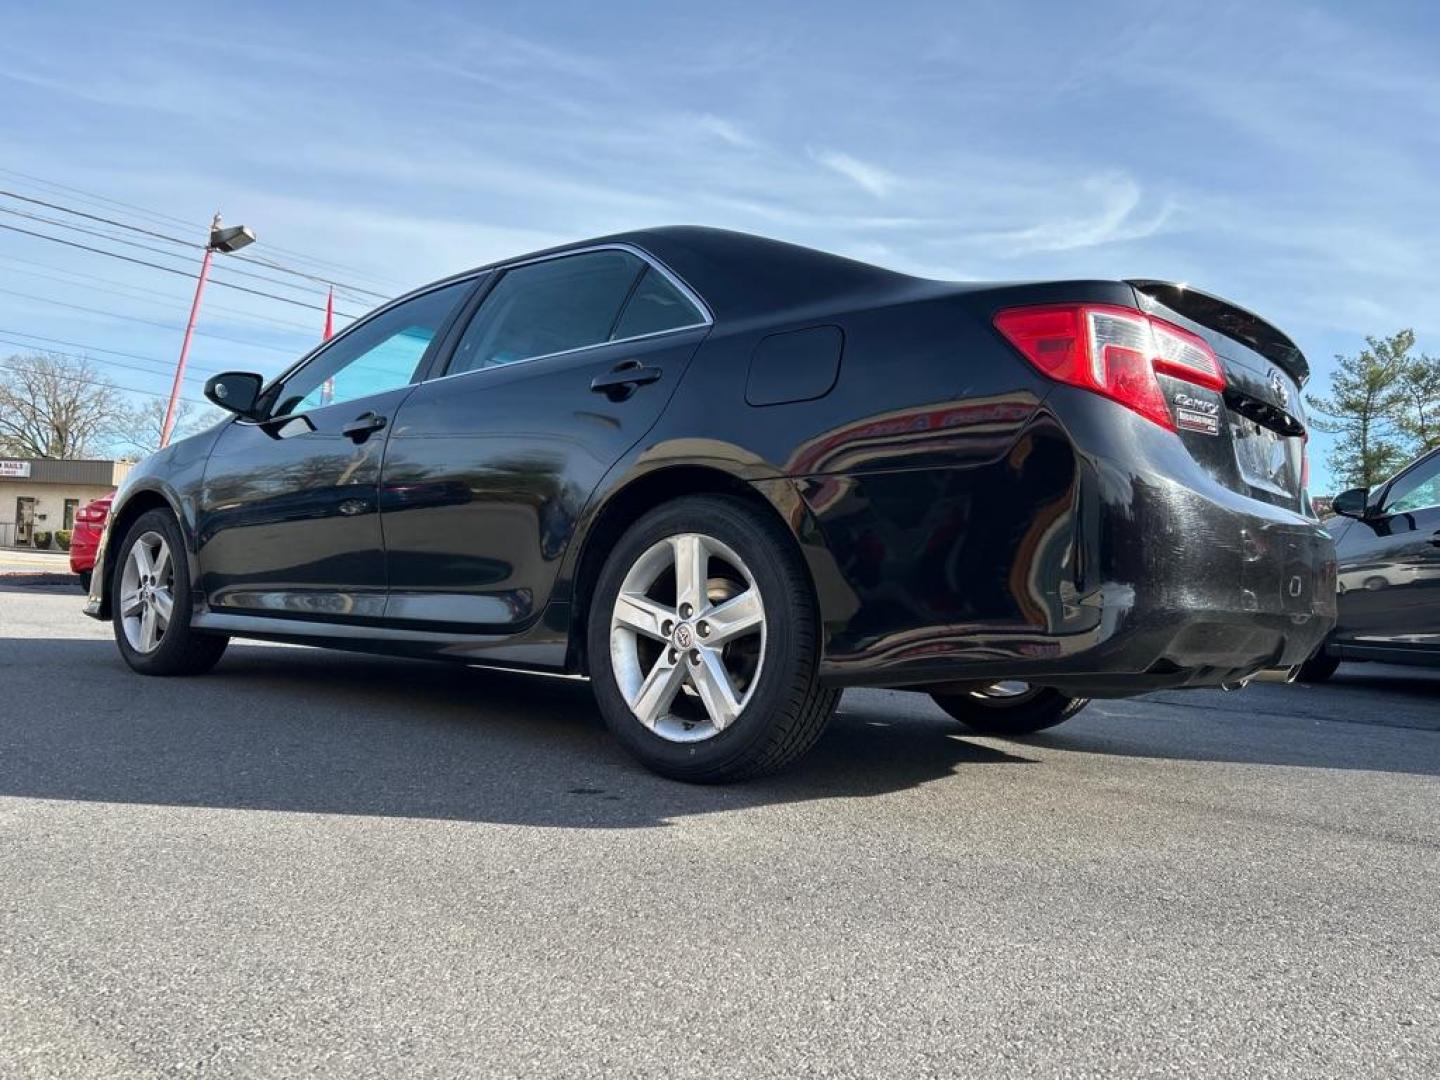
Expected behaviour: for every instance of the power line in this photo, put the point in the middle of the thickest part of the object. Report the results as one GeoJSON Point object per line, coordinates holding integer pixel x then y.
{"type": "Point", "coordinates": [95, 348]}
{"type": "Point", "coordinates": [147, 322]}
{"type": "Point", "coordinates": [357, 292]}
{"type": "Point", "coordinates": [154, 265]}
{"type": "Point", "coordinates": [97, 199]}
{"type": "Point", "coordinates": [95, 382]}
{"type": "Point", "coordinates": [97, 217]}
{"type": "Point", "coordinates": [137, 292]}
{"type": "Point", "coordinates": [171, 239]}
{"type": "Point", "coordinates": [167, 365]}
{"type": "Point", "coordinates": [101, 362]}
{"type": "Point", "coordinates": [93, 197]}
{"type": "Point", "coordinates": [113, 238]}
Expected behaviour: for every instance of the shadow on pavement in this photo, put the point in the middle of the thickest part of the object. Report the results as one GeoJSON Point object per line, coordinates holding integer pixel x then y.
{"type": "Point", "coordinates": [27, 582]}
{"type": "Point", "coordinates": [1377, 718]}
{"type": "Point", "coordinates": [1419, 682]}
{"type": "Point", "coordinates": [307, 730]}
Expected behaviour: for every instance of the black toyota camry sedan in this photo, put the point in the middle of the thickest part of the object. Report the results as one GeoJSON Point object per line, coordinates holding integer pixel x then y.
{"type": "Point", "coordinates": [726, 477]}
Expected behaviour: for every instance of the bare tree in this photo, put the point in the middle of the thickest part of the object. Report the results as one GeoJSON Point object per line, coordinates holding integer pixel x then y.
{"type": "Point", "coordinates": [140, 434]}
{"type": "Point", "coordinates": [56, 407]}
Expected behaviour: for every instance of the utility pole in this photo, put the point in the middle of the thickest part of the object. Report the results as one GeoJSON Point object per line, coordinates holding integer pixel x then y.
{"type": "Point", "coordinates": [221, 239]}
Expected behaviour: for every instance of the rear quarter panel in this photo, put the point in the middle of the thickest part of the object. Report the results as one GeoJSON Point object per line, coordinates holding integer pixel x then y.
{"type": "Point", "coordinates": [915, 485]}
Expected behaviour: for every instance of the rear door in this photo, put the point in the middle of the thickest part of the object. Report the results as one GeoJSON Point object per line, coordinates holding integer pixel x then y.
{"type": "Point", "coordinates": [564, 364]}
{"type": "Point", "coordinates": [289, 520]}
{"type": "Point", "coordinates": [1390, 566]}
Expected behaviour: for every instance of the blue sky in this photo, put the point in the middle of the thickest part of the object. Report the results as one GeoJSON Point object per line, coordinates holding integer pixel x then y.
{"type": "Point", "coordinates": [1284, 155]}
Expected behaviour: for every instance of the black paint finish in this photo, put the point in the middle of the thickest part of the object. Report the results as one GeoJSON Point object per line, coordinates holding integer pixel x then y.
{"type": "Point", "coordinates": [962, 516]}
{"type": "Point", "coordinates": [1389, 575]}
{"type": "Point", "coordinates": [799, 365]}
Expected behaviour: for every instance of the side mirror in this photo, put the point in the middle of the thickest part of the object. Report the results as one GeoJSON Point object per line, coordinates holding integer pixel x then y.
{"type": "Point", "coordinates": [235, 391]}
{"type": "Point", "coordinates": [1352, 503]}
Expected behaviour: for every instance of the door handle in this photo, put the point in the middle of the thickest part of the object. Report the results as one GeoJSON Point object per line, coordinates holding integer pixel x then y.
{"type": "Point", "coordinates": [1436, 538]}
{"type": "Point", "coordinates": [363, 426]}
{"type": "Point", "coordinates": [620, 381]}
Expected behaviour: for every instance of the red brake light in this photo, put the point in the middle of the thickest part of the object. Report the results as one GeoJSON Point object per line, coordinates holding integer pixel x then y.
{"type": "Point", "coordinates": [94, 513]}
{"type": "Point", "coordinates": [1113, 351]}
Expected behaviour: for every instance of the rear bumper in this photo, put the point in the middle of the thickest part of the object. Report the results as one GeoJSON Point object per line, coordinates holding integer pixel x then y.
{"type": "Point", "coordinates": [1064, 563]}
{"type": "Point", "coordinates": [83, 546]}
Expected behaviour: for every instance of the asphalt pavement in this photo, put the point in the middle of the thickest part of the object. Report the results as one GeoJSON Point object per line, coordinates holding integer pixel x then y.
{"type": "Point", "coordinates": [310, 863]}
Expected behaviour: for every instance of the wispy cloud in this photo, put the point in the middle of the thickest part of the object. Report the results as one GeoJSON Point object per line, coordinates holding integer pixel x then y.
{"type": "Point", "coordinates": [877, 181]}
{"type": "Point", "coordinates": [1116, 213]}
{"type": "Point", "coordinates": [1284, 154]}
{"type": "Point", "coordinates": [727, 131]}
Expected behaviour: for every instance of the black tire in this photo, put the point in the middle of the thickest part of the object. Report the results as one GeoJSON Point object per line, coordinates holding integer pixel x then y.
{"type": "Point", "coordinates": [788, 709]}
{"type": "Point", "coordinates": [1318, 668]}
{"type": "Point", "coordinates": [181, 650]}
{"type": "Point", "coordinates": [1011, 718]}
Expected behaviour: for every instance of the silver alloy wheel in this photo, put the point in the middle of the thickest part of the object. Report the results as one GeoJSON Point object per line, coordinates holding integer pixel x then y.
{"type": "Point", "coordinates": [147, 595]}
{"type": "Point", "coordinates": [687, 637]}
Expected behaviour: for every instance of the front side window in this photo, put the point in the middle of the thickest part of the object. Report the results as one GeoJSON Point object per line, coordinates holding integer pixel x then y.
{"type": "Point", "coordinates": [1419, 489]}
{"type": "Point", "coordinates": [380, 354]}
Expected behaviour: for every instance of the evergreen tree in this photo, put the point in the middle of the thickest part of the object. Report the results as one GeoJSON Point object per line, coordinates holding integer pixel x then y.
{"type": "Point", "coordinates": [1365, 398]}
{"type": "Point", "coordinates": [1417, 414]}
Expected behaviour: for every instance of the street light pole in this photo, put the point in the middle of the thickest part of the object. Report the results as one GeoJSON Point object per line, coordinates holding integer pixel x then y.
{"type": "Point", "coordinates": [221, 239]}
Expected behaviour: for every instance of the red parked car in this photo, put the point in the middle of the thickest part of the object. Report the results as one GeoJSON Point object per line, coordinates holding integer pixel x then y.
{"type": "Point", "coordinates": [89, 524]}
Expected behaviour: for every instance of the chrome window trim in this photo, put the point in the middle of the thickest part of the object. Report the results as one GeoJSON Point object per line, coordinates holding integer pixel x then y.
{"type": "Point", "coordinates": [706, 318]}
{"type": "Point", "coordinates": [564, 352]}
{"type": "Point", "coordinates": [319, 350]}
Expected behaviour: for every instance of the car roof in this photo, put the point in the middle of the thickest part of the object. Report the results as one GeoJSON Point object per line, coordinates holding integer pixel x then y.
{"type": "Point", "coordinates": [740, 275]}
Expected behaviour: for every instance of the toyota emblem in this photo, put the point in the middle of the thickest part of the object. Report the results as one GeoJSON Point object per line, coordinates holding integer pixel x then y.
{"type": "Point", "coordinates": [1277, 384]}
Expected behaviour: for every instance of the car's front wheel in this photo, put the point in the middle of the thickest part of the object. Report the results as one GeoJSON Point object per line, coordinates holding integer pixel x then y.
{"type": "Point", "coordinates": [1010, 709]}
{"type": "Point", "coordinates": [704, 643]}
{"type": "Point", "coordinates": [151, 602]}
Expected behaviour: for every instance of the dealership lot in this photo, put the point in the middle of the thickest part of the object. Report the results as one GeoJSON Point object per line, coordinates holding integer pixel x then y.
{"type": "Point", "coordinates": [314, 862]}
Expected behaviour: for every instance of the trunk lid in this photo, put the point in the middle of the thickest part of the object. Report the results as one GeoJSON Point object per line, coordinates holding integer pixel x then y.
{"type": "Point", "coordinates": [1252, 436]}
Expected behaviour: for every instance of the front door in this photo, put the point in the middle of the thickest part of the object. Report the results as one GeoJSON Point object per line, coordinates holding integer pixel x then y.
{"type": "Point", "coordinates": [566, 364]}
{"type": "Point", "coordinates": [289, 521]}
{"type": "Point", "coordinates": [1390, 566]}
{"type": "Point", "coordinates": [24, 519]}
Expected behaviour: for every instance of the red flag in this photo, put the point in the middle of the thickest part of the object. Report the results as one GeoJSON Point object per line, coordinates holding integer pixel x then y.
{"type": "Point", "coordinates": [329, 315]}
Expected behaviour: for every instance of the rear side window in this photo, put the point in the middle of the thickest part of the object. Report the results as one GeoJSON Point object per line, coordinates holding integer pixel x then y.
{"type": "Point", "coordinates": [548, 307]}
{"type": "Point", "coordinates": [655, 306]}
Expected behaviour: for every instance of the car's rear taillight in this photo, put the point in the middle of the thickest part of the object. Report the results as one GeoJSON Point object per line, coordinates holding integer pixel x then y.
{"type": "Point", "coordinates": [1113, 351]}
{"type": "Point", "coordinates": [94, 514]}
{"type": "Point", "coordinates": [1305, 461]}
